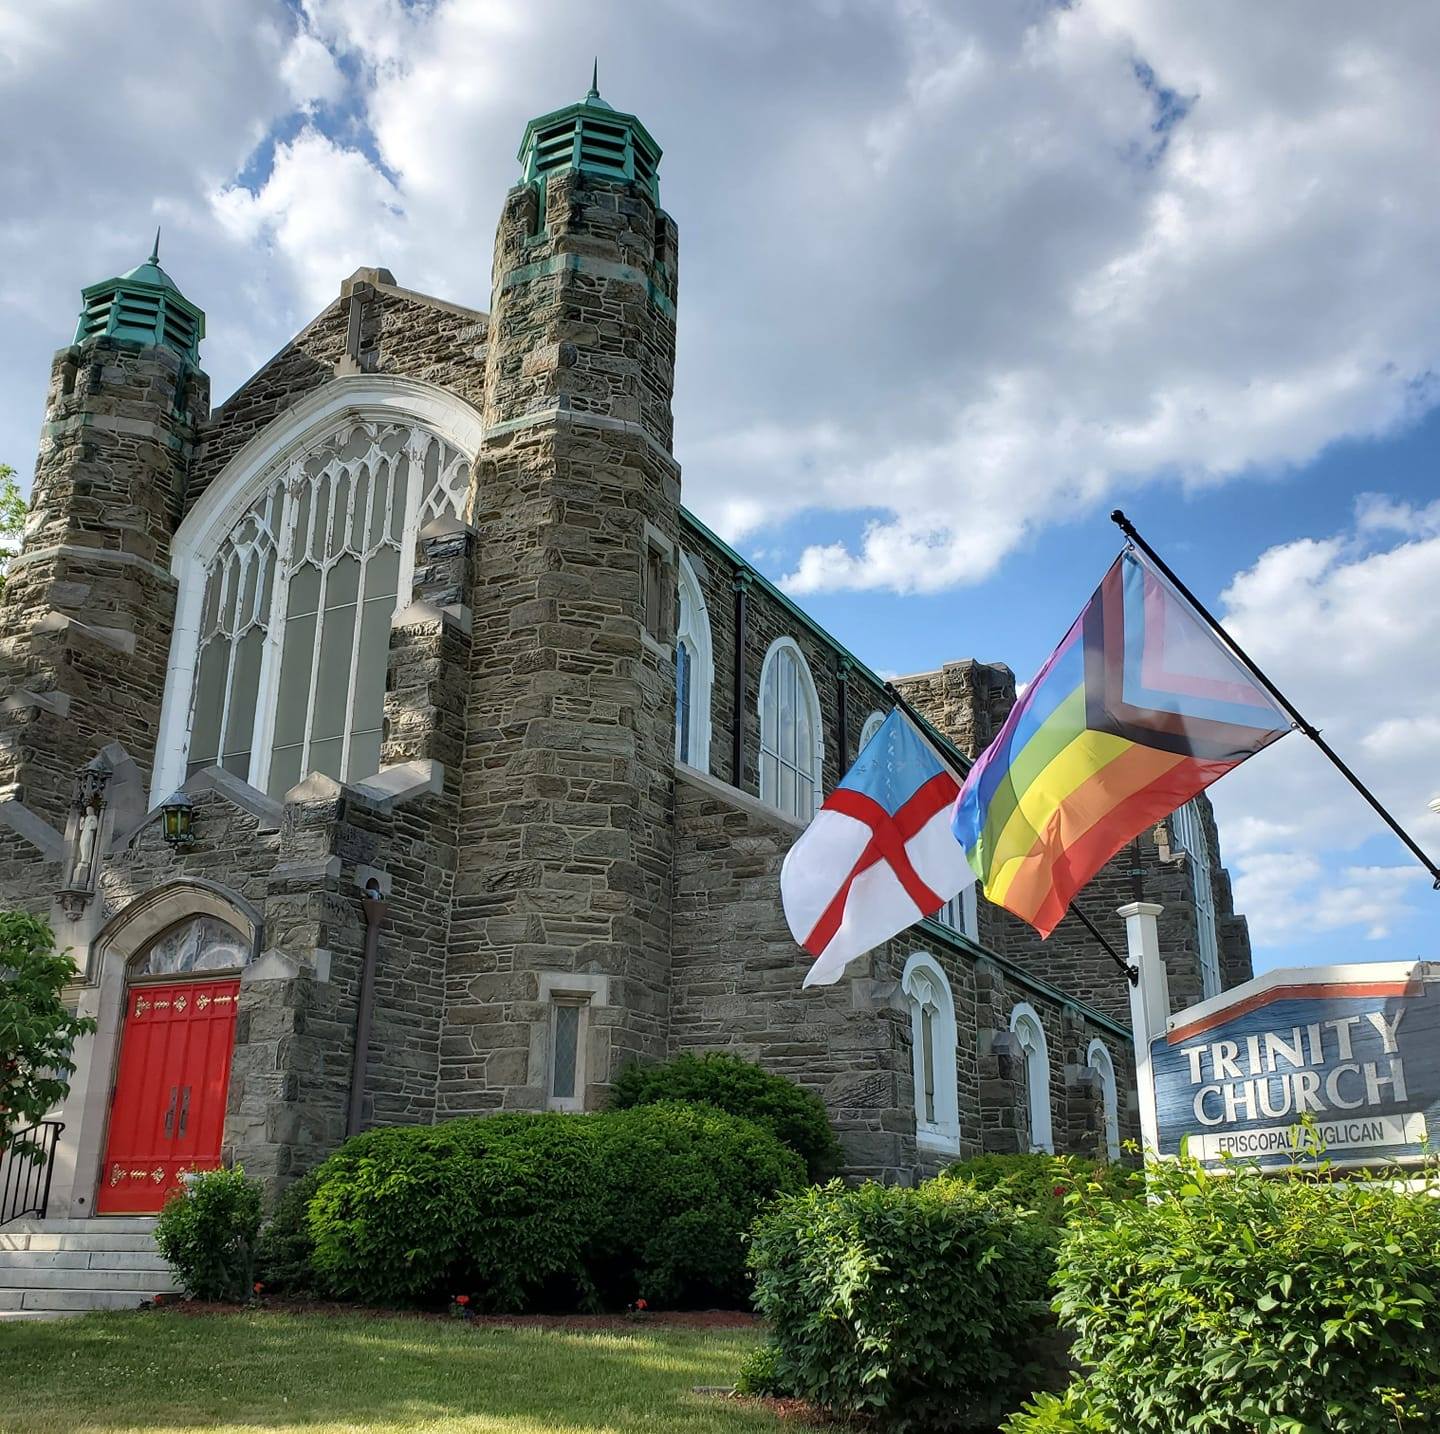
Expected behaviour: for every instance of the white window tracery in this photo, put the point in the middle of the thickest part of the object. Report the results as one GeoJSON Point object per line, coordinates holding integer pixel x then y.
{"type": "Point", "coordinates": [295, 620]}
{"type": "Point", "coordinates": [694, 672]}
{"type": "Point", "coordinates": [1098, 1059]}
{"type": "Point", "coordinates": [872, 725]}
{"type": "Point", "coordinates": [1035, 1072]}
{"type": "Point", "coordinates": [932, 1047]}
{"type": "Point", "coordinates": [791, 742]}
{"type": "Point", "coordinates": [199, 943]}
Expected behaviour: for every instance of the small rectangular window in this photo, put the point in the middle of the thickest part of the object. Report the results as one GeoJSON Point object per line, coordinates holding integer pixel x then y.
{"type": "Point", "coordinates": [568, 1022]}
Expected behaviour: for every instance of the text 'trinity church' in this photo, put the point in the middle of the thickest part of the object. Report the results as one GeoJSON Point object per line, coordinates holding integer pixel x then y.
{"type": "Point", "coordinates": [389, 743]}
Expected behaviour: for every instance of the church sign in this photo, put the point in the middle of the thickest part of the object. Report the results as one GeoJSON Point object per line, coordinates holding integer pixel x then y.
{"type": "Point", "coordinates": [1340, 1063]}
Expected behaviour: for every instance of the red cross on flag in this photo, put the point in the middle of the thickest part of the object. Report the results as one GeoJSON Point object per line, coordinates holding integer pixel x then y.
{"type": "Point", "coordinates": [878, 856]}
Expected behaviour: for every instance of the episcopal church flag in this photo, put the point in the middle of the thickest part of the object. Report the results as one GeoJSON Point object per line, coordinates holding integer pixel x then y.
{"type": "Point", "coordinates": [1138, 709]}
{"type": "Point", "coordinates": [879, 854]}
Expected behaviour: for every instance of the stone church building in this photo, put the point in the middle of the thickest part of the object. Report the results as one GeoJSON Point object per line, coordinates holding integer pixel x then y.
{"type": "Point", "coordinates": [389, 744]}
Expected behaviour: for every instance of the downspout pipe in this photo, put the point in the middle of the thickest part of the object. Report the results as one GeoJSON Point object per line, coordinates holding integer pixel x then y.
{"type": "Point", "coordinates": [375, 907]}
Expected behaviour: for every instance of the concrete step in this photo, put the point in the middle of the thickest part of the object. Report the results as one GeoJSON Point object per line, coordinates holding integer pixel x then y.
{"type": "Point", "coordinates": [160, 1279]}
{"type": "Point", "coordinates": [82, 1260]}
{"type": "Point", "coordinates": [109, 1224]}
{"type": "Point", "coordinates": [46, 1240]}
{"type": "Point", "coordinates": [74, 1301]}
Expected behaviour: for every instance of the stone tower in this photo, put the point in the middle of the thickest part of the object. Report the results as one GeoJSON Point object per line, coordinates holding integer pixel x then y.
{"type": "Point", "coordinates": [567, 790]}
{"type": "Point", "coordinates": [89, 602]}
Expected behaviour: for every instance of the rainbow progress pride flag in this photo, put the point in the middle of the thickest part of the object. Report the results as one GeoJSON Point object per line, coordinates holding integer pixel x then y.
{"type": "Point", "coordinates": [1137, 710]}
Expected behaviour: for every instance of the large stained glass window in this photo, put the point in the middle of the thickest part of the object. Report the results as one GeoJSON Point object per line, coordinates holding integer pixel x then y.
{"type": "Point", "coordinates": [295, 621]}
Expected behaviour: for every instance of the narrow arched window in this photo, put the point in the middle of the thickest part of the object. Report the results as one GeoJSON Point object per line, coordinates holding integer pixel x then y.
{"type": "Point", "coordinates": [1189, 828]}
{"type": "Point", "coordinates": [791, 745]}
{"type": "Point", "coordinates": [1098, 1059]}
{"type": "Point", "coordinates": [294, 625]}
{"type": "Point", "coordinates": [873, 724]}
{"type": "Point", "coordinates": [1034, 1058]}
{"type": "Point", "coordinates": [932, 1048]}
{"type": "Point", "coordinates": [694, 672]}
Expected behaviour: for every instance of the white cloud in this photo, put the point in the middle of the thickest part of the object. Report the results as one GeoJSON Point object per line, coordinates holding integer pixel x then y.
{"type": "Point", "coordinates": [310, 72]}
{"type": "Point", "coordinates": [1351, 627]}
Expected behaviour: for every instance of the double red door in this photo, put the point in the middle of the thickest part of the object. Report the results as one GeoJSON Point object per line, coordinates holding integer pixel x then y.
{"type": "Point", "coordinates": [168, 1111]}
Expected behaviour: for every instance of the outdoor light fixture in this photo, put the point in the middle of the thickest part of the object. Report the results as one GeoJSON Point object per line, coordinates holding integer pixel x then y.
{"type": "Point", "coordinates": [177, 818]}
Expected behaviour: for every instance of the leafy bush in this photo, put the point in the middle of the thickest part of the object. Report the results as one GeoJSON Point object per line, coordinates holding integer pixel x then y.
{"type": "Point", "coordinates": [1245, 1302]}
{"type": "Point", "coordinates": [207, 1233]}
{"type": "Point", "coordinates": [922, 1308]}
{"type": "Point", "coordinates": [760, 1377]}
{"type": "Point", "coordinates": [502, 1206]}
{"type": "Point", "coordinates": [679, 1187]}
{"type": "Point", "coordinates": [533, 1212]}
{"type": "Point", "coordinates": [1056, 1187]}
{"type": "Point", "coordinates": [795, 1115]}
{"type": "Point", "coordinates": [285, 1254]}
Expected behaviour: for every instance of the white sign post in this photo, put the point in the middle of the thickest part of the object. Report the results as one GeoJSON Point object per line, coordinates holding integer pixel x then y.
{"type": "Point", "coordinates": [1149, 1009]}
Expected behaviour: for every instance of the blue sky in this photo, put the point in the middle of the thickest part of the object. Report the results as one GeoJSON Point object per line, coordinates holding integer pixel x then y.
{"type": "Point", "coordinates": [956, 279]}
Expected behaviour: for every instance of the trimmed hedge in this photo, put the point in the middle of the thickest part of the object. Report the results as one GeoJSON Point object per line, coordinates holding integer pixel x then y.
{"type": "Point", "coordinates": [795, 1115]}
{"type": "Point", "coordinates": [547, 1212]}
{"type": "Point", "coordinates": [1239, 1301]}
{"type": "Point", "coordinates": [923, 1309]}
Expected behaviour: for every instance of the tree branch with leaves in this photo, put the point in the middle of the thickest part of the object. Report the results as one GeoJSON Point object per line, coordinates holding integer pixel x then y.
{"type": "Point", "coordinates": [13, 509]}
{"type": "Point", "coordinates": [37, 1031]}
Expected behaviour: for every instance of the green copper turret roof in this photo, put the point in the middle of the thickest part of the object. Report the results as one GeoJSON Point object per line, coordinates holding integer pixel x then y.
{"type": "Point", "coordinates": [594, 136]}
{"type": "Point", "coordinates": [144, 305]}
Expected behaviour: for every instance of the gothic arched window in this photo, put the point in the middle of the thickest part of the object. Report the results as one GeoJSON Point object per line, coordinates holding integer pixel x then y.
{"type": "Point", "coordinates": [873, 724]}
{"type": "Point", "coordinates": [294, 624]}
{"type": "Point", "coordinates": [694, 673]}
{"type": "Point", "coordinates": [1035, 1075]}
{"type": "Point", "coordinates": [1098, 1059]}
{"type": "Point", "coordinates": [932, 1052]}
{"type": "Point", "coordinates": [791, 744]}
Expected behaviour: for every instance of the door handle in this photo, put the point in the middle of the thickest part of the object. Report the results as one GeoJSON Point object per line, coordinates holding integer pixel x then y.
{"type": "Point", "coordinates": [184, 1111]}
{"type": "Point", "coordinates": [170, 1113]}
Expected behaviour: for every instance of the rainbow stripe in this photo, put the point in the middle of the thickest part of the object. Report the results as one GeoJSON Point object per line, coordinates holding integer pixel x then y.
{"type": "Point", "coordinates": [1137, 710]}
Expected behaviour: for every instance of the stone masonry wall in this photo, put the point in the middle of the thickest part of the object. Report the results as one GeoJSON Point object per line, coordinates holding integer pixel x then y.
{"type": "Point", "coordinates": [86, 615]}
{"type": "Point", "coordinates": [736, 986]}
{"type": "Point", "coordinates": [566, 818]}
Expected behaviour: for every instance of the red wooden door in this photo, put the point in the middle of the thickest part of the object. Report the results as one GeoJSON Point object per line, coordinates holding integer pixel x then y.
{"type": "Point", "coordinates": [168, 1111]}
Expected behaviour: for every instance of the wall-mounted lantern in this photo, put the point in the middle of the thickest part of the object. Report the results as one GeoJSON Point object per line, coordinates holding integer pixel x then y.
{"type": "Point", "coordinates": [177, 818]}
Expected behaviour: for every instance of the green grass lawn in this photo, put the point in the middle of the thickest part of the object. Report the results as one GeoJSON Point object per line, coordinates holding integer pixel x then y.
{"type": "Point", "coordinates": [260, 1370]}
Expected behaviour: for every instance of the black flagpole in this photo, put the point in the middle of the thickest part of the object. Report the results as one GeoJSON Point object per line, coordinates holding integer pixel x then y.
{"type": "Point", "coordinates": [923, 722]}
{"type": "Point", "coordinates": [1313, 733]}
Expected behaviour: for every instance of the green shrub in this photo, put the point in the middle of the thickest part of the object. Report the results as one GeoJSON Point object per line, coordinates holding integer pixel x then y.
{"type": "Point", "coordinates": [795, 1115]}
{"type": "Point", "coordinates": [1241, 1302]}
{"type": "Point", "coordinates": [284, 1257]}
{"type": "Point", "coordinates": [759, 1376]}
{"type": "Point", "coordinates": [207, 1234]}
{"type": "Point", "coordinates": [1056, 1187]}
{"type": "Point", "coordinates": [547, 1212]}
{"type": "Point", "coordinates": [499, 1207]}
{"type": "Point", "coordinates": [922, 1308]}
{"type": "Point", "coordinates": [680, 1186]}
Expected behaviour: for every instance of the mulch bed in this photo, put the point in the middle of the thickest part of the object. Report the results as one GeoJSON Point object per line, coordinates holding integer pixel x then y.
{"type": "Point", "coordinates": [669, 1319]}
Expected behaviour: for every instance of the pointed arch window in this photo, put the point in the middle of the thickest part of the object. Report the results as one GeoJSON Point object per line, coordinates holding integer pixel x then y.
{"type": "Point", "coordinates": [873, 724]}
{"type": "Point", "coordinates": [294, 622]}
{"type": "Point", "coordinates": [1034, 1074]}
{"type": "Point", "coordinates": [1098, 1059]}
{"type": "Point", "coordinates": [694, 672]}
{"type": "Point", "coordinates": [1189, 829]}
{"type": "Point", "coordinates": [932, 1048]}
{"type": "Point", "coordinates": [791, 743]}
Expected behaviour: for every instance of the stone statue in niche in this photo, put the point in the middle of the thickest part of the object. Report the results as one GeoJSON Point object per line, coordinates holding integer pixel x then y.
{"type": "Point", "coordinates": [89, 807]}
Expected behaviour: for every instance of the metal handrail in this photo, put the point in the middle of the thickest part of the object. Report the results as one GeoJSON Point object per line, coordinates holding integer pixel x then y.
{"type": "Point", "coordinates": [26, 1166]}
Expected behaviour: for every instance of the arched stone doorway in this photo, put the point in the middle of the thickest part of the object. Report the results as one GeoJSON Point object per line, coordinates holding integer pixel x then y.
{"type": "Point", "coordinates": [185, 944]}
{"type": "Point", "coordinates": [167, 1110]}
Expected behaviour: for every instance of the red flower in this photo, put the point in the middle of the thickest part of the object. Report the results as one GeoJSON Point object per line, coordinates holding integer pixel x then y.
{"type": "Point", "coordinates": [462, 1299]}
{"type": "Point", "coordinates": [1059, 1192]}
{"type": "Point", "coordinates": [641, 1305]}
{"type": "Point", "coordinates": [258, 1287]}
